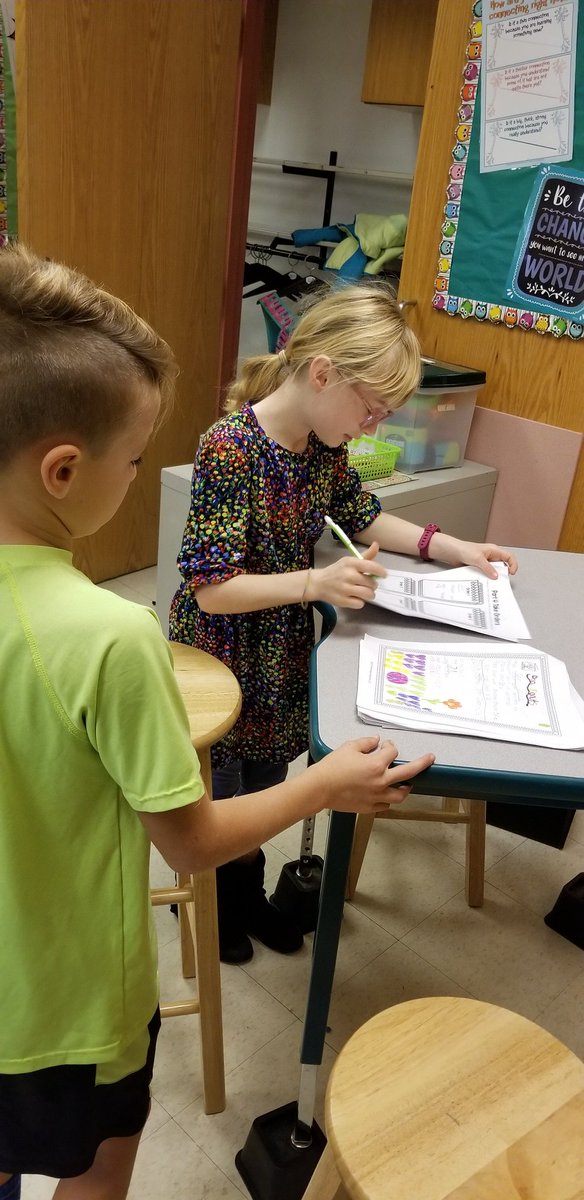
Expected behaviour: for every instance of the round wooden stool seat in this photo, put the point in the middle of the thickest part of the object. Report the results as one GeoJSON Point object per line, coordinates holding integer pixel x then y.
{"type": "Point", "coordinates": [210, 692]}
{"type": "Point", "coordinates": [446, 1098]}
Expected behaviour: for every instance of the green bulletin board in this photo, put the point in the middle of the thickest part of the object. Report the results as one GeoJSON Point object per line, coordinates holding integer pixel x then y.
{"type": "Point", "coordinates": [512, 238]}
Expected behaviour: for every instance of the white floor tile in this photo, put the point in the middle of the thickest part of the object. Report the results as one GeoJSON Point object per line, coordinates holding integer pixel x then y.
{"type": "Point", "coordinates": [396, 975]}
{"type": "Point", "coordinates": [451, 839]}
{"type": "Point", "coordinates": [37, 1187]}
{"type": "Point", "coordinates": [502, 953]}
{"type": "Point", "coordinates": [251, 1017]}
{"type": "Point", "coordinates": [403, 878]}
{"type": "Point", "coordinates": [142, 581]}
{"type": "Point", "coordinates": [119, 588]}
{"type": "Point", "coordinates": [534, 874]}
{"type": "Point", "coordinates": [161, 875]}
{"type": "Point", "coordinates": [577, 826]}
{"type": "Point", "coordinates": [172, 1166]}
{"type": "Point", "coordinates": [361, 942]}
{"type": "Point", "coordinates": [564, 1016]}
{"type": "Point", "coordinates": [139, 586]}
{"type": "Point", "coordinates": [267, 1080]}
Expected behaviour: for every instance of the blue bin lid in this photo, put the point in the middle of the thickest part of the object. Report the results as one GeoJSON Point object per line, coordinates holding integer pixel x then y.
{"type": "Point", "coordinates": [447, 376]}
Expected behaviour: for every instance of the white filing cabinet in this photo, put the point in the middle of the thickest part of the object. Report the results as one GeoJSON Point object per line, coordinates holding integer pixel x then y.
{"type": "Point", "coordinates": [458, 499]}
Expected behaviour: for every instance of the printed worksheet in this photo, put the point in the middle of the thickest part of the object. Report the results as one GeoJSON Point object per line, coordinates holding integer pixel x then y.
{"type": "Point", "coordinates": [528, 80]}
{"type": "Point", "coordinates": [511, 693]}
{"type": "Point", "coordinates": [461, 596]}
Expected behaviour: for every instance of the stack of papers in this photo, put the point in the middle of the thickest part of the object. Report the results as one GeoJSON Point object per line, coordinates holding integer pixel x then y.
{"type": "Point", "coordinates": [511, 693]}
{"type": "Point", "coordinates": [463, 597]}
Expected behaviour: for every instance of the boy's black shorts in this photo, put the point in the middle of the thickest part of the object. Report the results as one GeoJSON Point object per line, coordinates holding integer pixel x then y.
{"type": "Point", "coordinates": [53, 1121]}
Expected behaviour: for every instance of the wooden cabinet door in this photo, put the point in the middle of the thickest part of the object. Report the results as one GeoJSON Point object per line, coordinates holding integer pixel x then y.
{"type": "Point", "coordinates": [398, 51]}
{"type": "Point", "coordinates": [532, 376]}
{"type": "Point", "coordinates": [135, 128]}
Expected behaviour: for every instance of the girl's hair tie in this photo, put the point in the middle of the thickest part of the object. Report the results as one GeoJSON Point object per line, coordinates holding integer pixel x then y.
{"type": "Point", "coordinates": [282, 358]}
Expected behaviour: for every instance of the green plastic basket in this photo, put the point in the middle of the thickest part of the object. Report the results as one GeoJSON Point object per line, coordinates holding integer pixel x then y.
{"type": "Point", "coordinates": [372, 458]}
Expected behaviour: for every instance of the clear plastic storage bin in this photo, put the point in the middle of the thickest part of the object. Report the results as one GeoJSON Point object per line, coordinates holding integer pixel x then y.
{"type": "Point", "coordinates": [432, 428]}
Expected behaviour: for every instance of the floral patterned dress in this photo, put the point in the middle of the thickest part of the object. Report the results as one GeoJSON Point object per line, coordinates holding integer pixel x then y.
{"type": "Point", "coordinates": [258, 509]}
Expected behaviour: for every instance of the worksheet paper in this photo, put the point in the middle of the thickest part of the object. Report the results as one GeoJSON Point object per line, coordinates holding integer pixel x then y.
{"type": "Point", "coordinates": [461, 596]}
{"type": "Point", "coordinates": [512, 693]}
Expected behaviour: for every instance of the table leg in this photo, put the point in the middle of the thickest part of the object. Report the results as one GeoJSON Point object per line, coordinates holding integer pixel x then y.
{"type": "Point", "coordinates": [324, 955]}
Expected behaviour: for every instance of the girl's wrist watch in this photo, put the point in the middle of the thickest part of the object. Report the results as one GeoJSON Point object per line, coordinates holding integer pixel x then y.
{"type": "Point", "coordinates": [425, 540]}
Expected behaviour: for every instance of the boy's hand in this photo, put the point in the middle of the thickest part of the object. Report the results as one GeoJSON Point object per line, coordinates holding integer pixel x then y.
{"type": "Point", "coordinates": [359, 777]}
{"type": "Point", "coordinates": [349, 582]}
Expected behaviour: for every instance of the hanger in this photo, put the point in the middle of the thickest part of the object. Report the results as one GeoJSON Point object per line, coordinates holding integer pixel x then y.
{"type": "Point", "coordinates": [263, 275]}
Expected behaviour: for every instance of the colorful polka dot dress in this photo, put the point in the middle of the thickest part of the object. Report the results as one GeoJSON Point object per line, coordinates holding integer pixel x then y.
{"type": "Point", "coordinates": [258, 509]}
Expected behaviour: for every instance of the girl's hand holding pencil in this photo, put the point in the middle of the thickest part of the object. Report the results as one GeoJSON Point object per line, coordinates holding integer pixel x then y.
{"type": "Point", "coordinates": [348, 582]}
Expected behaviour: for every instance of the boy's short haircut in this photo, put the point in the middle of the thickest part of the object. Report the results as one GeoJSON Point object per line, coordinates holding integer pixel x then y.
{"type": "Point", "coordinates": [71, 356]}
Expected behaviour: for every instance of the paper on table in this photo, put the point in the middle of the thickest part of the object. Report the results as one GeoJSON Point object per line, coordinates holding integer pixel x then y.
{"type": "Point", "coordinates": [463, 597]}
{"type": "Point", "coordinates": [510, 693]}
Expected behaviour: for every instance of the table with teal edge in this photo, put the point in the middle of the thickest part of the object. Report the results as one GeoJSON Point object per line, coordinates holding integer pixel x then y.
{"type": "Point", "coordinates": [549, 587]}
{"type": "Point", "coordinates": [283, 1146]}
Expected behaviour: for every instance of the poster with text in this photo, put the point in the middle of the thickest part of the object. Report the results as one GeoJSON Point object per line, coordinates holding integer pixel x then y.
{"type": "Point", "coordinates": [548, 268]}
{"type": "Point", "coordinates": [527, 117]}
{"type": "Point", "coordinates": [510, 249]}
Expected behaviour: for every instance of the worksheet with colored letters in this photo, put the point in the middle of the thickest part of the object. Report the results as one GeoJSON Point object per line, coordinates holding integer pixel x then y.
{"type": "Point", "coordinates": [511, 693]}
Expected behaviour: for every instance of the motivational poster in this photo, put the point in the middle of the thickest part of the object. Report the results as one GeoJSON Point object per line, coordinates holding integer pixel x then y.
{"type": "Point", "coordinates": [548, 267]}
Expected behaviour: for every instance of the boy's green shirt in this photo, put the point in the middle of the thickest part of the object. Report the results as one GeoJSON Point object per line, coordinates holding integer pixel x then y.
{"type": "Point", "coordinates": [92, 730]}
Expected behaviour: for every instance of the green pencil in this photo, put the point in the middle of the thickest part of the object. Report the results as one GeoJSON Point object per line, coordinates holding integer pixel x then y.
{"type": "Point", "coordinates": [347, 543]}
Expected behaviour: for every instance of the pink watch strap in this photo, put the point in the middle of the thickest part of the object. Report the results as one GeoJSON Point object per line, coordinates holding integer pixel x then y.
{"type": "Point", "coordinates": [425, 540]}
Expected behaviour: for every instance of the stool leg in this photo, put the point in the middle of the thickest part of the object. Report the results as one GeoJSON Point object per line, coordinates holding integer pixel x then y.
{"type": "Point", "coordinates": [209, 990]}
{"type": "Point", "coordinates": [206, 939]}
{"type": "Point", "coordinates": [450, 804]}
{"type": "Point", "coordinates": [325, 1183]}
{"type": "Point", "coordinates": [475, 852]}
{"type": "Point", "coordinates": [185, 925]}
{"type": "Point", "coordinates": [363, 827]}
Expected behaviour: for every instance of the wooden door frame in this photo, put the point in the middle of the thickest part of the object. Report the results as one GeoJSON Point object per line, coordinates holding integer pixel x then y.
{"type": "Point", "coordinates": [252, 26]}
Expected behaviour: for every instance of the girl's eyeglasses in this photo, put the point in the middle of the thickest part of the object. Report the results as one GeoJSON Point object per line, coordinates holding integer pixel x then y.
{"type": "Point", "coordinates": [374, 413]}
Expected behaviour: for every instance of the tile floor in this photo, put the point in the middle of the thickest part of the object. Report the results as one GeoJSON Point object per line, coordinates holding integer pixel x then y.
{"type": "Point", "coordinates": [408, 933]}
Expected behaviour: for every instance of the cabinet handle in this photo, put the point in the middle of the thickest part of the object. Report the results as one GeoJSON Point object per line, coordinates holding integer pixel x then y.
{"type": "Point", "coordinates": [406, 304]}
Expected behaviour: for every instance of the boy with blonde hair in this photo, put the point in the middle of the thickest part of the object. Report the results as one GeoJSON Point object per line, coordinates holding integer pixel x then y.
{"type": "Point", "coordinates": [95, 753]}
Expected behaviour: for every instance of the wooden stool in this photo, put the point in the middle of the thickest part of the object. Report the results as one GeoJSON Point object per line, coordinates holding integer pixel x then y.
{"type": "Point", "coordinates": [452, 1099]}
{"type": "Point", "coordinates": [471, 813]}
{"type": "Point", "coordinates": [213, 702]}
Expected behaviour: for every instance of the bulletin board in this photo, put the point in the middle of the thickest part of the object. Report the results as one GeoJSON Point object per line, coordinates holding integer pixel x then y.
{"type": "Point", "coordinates": [8, 201]}
{"type": "Point", "coordinates": [512, 240]}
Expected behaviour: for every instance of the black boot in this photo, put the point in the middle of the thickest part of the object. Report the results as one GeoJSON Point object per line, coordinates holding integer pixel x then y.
{"type": "Point", "coordinates": [264, 921]}
{"type": "Point", "coordinates": [232, 885]}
